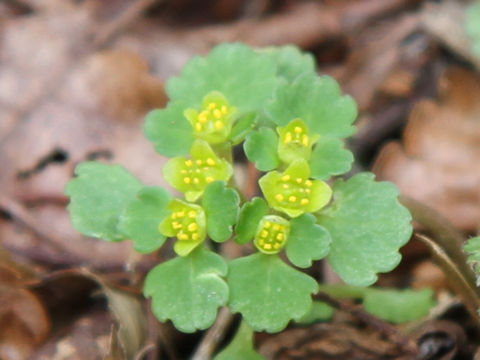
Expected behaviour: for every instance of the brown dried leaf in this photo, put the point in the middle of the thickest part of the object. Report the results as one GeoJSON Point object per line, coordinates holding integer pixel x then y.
{"type": "Point", "coordinates": [438, 162]}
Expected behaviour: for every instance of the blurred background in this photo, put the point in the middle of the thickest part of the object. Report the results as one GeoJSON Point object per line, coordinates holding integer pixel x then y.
{"type": "Point", "coordinates": [76, 80]}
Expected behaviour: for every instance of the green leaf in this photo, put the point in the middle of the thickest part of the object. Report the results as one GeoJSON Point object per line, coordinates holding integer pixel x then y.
{"type": "Point", "coordinates": [398, 306]}
{"type": "Point", "coordinates": [250, 215]}
{"type": "Point", "coordinates": [472, 25]}
{"type": "Point", "coordinates": [267, 292]}
{"type": "Point", "coordinates": [318, 102]}
{"type": "Point", "coordinates": [368, 226]}
{"type": "Point", "coordinates": [329, 157]}
{"type": "Point", "coordinates": [261, 149]}
{"type": "Point", "coordinates": [241, 347]}
{"type": "Point", "coordinates": [290, 61]}
{"type": "Point", "coordinates": [221, 207]}
{"type": "Point", "coordinates": [98, 195]}
{"type": "Point", "coordinates": [188, 290]}
{"type": "Point", "coordinates": [246, 78]}
{"type": "Point", "coordinates": [472, 247]}
{"type": "Point", "coordinates": [307, 241]}
{"type": "Point", "coordinates": [169, 130]}
{"type": "Point", "coordinates": [243, 126]}
{"type": "Point", "coordinates": [319, 312]}
{"type": "Point", "coordinates": [142, 217]}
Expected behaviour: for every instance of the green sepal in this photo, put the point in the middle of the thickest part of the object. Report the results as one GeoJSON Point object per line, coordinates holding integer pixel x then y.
{"type": "Point", "coordinates": [191, 176]}
{"type": "Point", "coordinates": [261, 149]}
{"type": "Point", "coordinates": [318, 102]}
{"type": "Point", "coordinates": [398, 306]}
{"type": "Point", "coordinates": [290, 61]}
{"type": "Point", "coordinates": [221, 205]}
{"type": "Point", "coordinates": [141, 218]}
{"type": "Point", "coordinates": [186, 222]}
{"type": "Point", "coordinates": [243, 127]}
{"type": "Point", "coordinates": [188, 290]}
{"type": "Point", "coordinates": [292, 192]}
{"type": "Point", "coordinates": [250, 215]}
{"type": "Point", "coordinates": [307, 241]}
{"type": "Point", "coordinates": [267, 292]}
{"type": "Point", "coordinates": [329, 157]}
{"type": "Point", "coordinates": [169, 130]}
{"type": "Point", "coordinates": [247, 79]}
{"type": "Point", "coordinates": [368, 225]}
{"type": "Point", "coordinates": [98, 196]}
{"type": "Point", "coordinates": [241, 347]}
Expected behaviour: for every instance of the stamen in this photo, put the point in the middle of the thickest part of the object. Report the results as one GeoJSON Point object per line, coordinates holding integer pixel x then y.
{"type": "Point", "coordinates": [285, 186]}
{"type": "Point", "coordinates": [264, 233]}
{"type": "Point", "coordinates": [196, 180]}
{"type": "Point", "coordinates": [195, 236]}
{"type": "Point", "coordinates": [279, 197]}
{"type": "Point", "coordinates": [210, 162]}
{"type": "Point", "coordinates": [305, 140]}
{"type": "Point", "coordinates": [199, 162]}
{"type": "Point", "coordinates": [299, 180]}
{"type": "Point", "coordinates": [209, 179]}
{"type": "Point", "coordinates": [192, 214]}
{"type": "Point", "coordinates": [288, 137]}
{"type": "Point", "coordinates": [181, 214]}
{"type": "Point", "coordinates": [203, 117]}
{"type": "Point", "coordinates": [219, 125]}
{"type": "Point", "coordinates": [308, 183]}
{"type": "Point", "coordinates": [182, 236]}
{"type": "Point", "coordinates": [212, 105]}
{"type": "Point", "coordinates": [267, 225]}
{"type": "Point", "coordinates": [298, 129]}
{"type": "Point", "coordinates": [217, 114]}
{"type": "Point", "coordinates": [192, 227]}
{"type": "Point", "coordinates": [224, 110]}
{"type": "Point", "coordinates": [286, 177]}
{"type": "Point", "coordinates": [292, 198]}
{"type": "Point", "coordinates": [277, 227]}
{"type": "Point", "coordinates": [188, 162]}
{"type": "Point", "coordinates": [280, 237]}
{"type": "Point", "coordinates": [304, 201]}
{"type": "Point", "coordinates": [267, 246]}
{"type": "Point", "coordinates": [198, 126]}
{"type": "Point", "coordinates": [187, 180]}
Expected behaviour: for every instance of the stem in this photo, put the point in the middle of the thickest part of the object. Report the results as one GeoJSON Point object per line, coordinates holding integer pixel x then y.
{"type": "Point", "coordinates": [446, 247]}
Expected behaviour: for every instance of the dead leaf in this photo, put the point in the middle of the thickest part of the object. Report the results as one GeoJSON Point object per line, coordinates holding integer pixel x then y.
{"type": "Point", "coordinates": [438, 161]}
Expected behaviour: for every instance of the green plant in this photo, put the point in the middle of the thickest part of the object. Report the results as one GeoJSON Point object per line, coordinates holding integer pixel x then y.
{"type": "Point", "coordinates": [292, 124]}
{"type": "Point", "coordinates": [472, 26]}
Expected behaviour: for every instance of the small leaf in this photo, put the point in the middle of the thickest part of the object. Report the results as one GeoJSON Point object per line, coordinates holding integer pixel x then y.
{"type": "Point", "coordinates": [241, 347]}
{"type": "Point", "coordinates": [290, 61]}
{"type": "Point", "coordinates": [188, 290]}
{"type": "Point", "coordinates": [329, 157]}
{"type": "Point", "coordinates": [318, 102]}
{"type": "Point", "coordinates": [169, 130]}
{"type": "Point", "coordinates": [267, 292]}
{"type": "Point", "coordinates": [246, 78]}
{"type": "Point", "coordinates": [142, 217]}
{"type": "Point", "coordinates": [319, 312]}
{"type": "Point", "coordinates": [243, 127]}
{"type": "Point", "coordinates": [398, 306]}
{"type": "Point", "coordinates": [249, 218]}
{"type": "Point", "coordinates": [221, 207]}
{"type": "Point", "coordinates": [368, 226]}
{"type": "Point", "coordinates": [98, 196]}
{"type": "Point", "coordinates": [261, 149]}
{"type": "Point", "coordinates": [307, 241]}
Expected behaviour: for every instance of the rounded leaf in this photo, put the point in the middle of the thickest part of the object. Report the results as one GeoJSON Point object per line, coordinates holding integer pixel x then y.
{"type": "Point", "coordinates": [250, 215]}
{"type": "Point", "coordinates": [290, 61]}
{"type": "Point", "coordinates": [329, 157]}
{"type": "Point", "coordinates": [261, 149]}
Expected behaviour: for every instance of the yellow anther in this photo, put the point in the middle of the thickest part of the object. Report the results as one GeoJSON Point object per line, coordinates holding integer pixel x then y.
{"type": "Point", "coordinates": [199, 162]}
{"type": "Point", "coordinates": [305, 140]}
{"type": "Point", "coordinates": [292, 198]}
{"type": "Point", "coordinates": [267, 225]}
{"type": "Point", "coordinates": [304, 201]}
{"type": "Point", "coordinates": [279, 197]}
{"type": "Point", "coordinates": [299, 180]}
{"type": "Point", "coordinates": [261, 242]}
{"type": "Point", "coordinates": [176, 225]}
{"type": "Point", "coordinates": [181, 214]}
{"type": "Point", "coordinates": [285, 186]}
{"type": "Point", "coordinates": [188, 162]}
{"type": "Point", "coordinates": [308, 183]}
{"type": "Point", "coordinates": [209, 179]}
{"type": "Point", "coordinates": [217, 114]}
{"type": "Point", "coordinates": [276, 246]}
{"type": "Point", "coordinates": [184, 171]}
{"type": "Point", "coordinates": [308, 191]}
{"type": "Point", "coordinates": [218, 125]}
{"type": "Point", "coordinates": [212, 105]}
{"type": "Point", "coordinates": [267, 246]}
{"type": "Point", "coordinates": [182, 236]}
{"type": "Point", "coordinates": [224, 110]}
{"type": "Point", "coordinates": [280, 236]}
{"type": "Point", "coordinates": [203, 117]}
{"type": "Point", "coordinates": [198, 126]}
{"type": "Point", "coordinates": [195, 236]}
{"type": "Point", "coordinates": [277, 227]}
{"type": "Point", "coordinates": [288, 137]}
{"type": "Point", "coordinates": [298, 129]}
{"type": "Point", "coordinates": [187, 180]}
{"type": "Point", "coordinates": [210, 161]}
{"type": "Point", "coordinates": [264, 233]}
{"type": "Point", "coordinates": [192, 227]}
{"type": "Point", "coordinates": [192, 214]}
{"type": "Point", "coordinates": [196, 180]}
{"type": "Point", "coordinates": [286, 177]}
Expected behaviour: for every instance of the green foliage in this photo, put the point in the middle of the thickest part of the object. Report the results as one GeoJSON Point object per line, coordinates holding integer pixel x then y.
{"type": "Point", "coordinates": [367, 225]}
{"type": "Point", "coordinates": [267, 292]}
{"type": "Point", "coordinates": [141, 217]}
{"type": "Point", "coordinates": [292, 124]}
{"type": "Point", "coordinates": [472, 26]}
{"type": "Point", "coordinates": [98, 196]}
{"type": "Point", "coordinates": [192, 303]}
{"type": "Point", "coordinates": [241, 347]}
{"type": "Point", "coordinates": [319, 312]}
{"type": "Point", "coordinates": [221, 207]}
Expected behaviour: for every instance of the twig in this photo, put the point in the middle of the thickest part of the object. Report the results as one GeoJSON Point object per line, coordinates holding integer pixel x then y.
{"type": "Point", "coordinates": [214, 335]}
{"type": "Point", "coordinates": [386, 329]}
